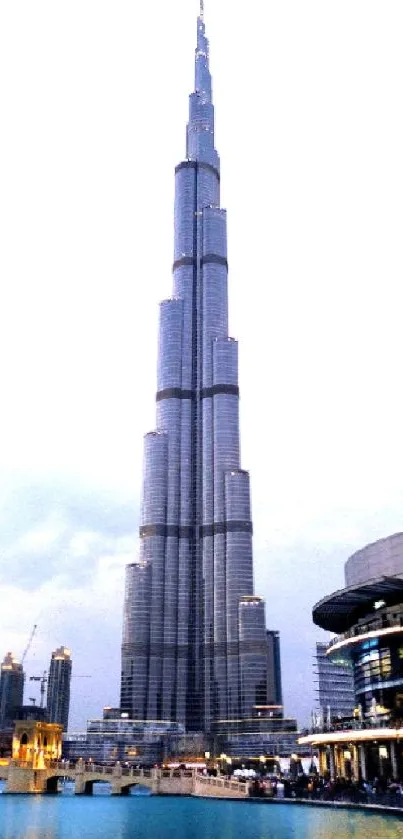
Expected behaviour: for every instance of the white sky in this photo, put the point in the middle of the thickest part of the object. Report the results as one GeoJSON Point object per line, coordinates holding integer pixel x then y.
{"type": "Point", "coordinates": [93, 105]}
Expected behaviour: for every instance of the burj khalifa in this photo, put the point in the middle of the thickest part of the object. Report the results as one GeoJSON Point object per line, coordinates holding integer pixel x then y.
{"type": "Point", "coordinates": [194, 637]}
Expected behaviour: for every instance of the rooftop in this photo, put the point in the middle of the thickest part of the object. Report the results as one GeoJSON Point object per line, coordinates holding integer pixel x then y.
{"type": "Point", "coordinates": [341, 610]}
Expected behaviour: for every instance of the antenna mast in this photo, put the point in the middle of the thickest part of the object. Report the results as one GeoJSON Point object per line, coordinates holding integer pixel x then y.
{"type": "Point", "coordinates": [202, 9]}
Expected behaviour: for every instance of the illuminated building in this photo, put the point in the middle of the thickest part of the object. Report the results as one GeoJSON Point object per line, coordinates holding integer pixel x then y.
{"type": "Point", "coordinates": [11, 690]}
{"type": "Point", "coordinates": [195, 649]}
{"type": "Point", "coordinates": [58, 696]}
{"type": "Point", "coordinates": [368, 617]}
{"type": "Point", "coordinates": [116, 737]}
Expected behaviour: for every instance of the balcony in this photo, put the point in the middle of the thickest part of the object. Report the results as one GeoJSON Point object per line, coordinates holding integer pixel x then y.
{"type": "Point", "coordinates": [382, 624]}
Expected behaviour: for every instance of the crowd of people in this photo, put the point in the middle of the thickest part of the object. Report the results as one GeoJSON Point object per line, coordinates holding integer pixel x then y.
{"type": "Point", "coordinates": [388, 792]}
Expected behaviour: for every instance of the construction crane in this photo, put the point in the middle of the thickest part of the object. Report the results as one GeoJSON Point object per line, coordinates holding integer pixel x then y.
{"type": "Point", "coordinates": [30, 639]}
{"type": "Point", "coordinates": [43, 681]}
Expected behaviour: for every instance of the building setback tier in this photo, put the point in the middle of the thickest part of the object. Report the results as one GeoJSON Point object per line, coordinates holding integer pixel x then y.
{"type": "Point", "coordinates": [194, 646]}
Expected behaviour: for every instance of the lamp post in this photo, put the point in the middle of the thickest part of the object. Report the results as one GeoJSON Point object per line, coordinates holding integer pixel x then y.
{"type": "Point", "coordinates": [223, 759]}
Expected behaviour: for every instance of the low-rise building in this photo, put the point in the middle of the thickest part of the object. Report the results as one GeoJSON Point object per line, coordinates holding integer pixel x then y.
{"type": "Point", "coordinates": [118, 738]}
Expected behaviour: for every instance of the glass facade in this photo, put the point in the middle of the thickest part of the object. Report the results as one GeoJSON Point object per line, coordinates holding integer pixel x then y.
{"type": "Point", "coordinates": [377, 659]}
{"type": "Point", "coordinates": [194, 647]}
{"type": "Point", "coordinates": [274, 685]}
{"type": "Point", "coordinates": [137, 742]}
{"type": "Point", "coordinates": [369, 615]}
{"type": "Point", "coordinates": [58, 695]}
{"type": "Point", "coordinates": [11, 690]}
{"type": "Point", "coordinates": [335, 685]}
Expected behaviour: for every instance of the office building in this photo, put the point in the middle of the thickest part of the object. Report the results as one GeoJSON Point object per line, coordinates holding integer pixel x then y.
{"type": "Point", "coordinates": [58, 696]}
{"type": "Point", "coordinates": [334, 686]}
{"type": "Point", "coordinates": [194, 646]}
{"type": "Point", "coordinates": [11, 690]}
{"type": "Point", "coordinates": [274, 683]}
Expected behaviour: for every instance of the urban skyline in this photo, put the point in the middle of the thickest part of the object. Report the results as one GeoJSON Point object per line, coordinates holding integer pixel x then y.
{"type": "Point", "coordinates": [194, 634]}
{"type": "Point", "coordinates": [320, 193]}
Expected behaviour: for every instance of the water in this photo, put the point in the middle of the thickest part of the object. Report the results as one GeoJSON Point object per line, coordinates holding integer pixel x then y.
{"type": "Point", "coordinates": [148, 817]}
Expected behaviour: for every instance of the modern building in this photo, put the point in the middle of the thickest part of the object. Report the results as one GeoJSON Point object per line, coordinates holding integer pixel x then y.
{"type": "Point", "coordinates": [33, 713]}
{"type": "Point", "coordinates": [195, 649]}
{"type": "Point", "coordinates": [368, 617]}
{"type": "Point", "coordinates": [58, 696]}
{"type": "Point", "coordinates": [334, 686]}
{"type": "Point", "coordinates": [274, 683]}
{"type": "Point", "coordinates": [11, 690]}
{"type": "Point", "coordinates": [115, 737]}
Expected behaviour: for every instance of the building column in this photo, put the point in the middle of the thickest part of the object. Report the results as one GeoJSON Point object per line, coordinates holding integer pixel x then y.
{"type": "Point", "coordinates": [355, 762]}
{"type": "Point", "coordinates": [332, 762]}
{"type": "Point", "coordinates": [322, 760]}
{"type": "Point", "coordinates": [363, 761]}
{"type": "Point", "coordinates": [393, 759]}
{"type": "Point", "coordinates": [339, 760]}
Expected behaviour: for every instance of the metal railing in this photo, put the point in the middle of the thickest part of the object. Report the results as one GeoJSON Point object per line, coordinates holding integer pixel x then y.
{"type": "Point", "coordinates": [378, 623]}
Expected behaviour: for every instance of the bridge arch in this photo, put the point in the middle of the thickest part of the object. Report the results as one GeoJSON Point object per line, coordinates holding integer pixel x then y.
{"type": "Point", "coordinates": [89, 784]}
{"type": "Point", "coordinates": [52, 781]}
{"type": "Point", "coordinates": [128, 785]}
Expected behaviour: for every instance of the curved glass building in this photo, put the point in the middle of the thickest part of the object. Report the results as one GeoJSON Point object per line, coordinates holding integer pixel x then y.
{"type": "Point", "coordinates": [194, 640]}
{"type": "Point", "coordinates": [368, 614]}
{"type": "Point", "coordinates": [368, 617]}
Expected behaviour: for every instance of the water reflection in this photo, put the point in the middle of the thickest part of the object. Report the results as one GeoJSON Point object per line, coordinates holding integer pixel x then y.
{"type": "Point", "coordinates": [294, 822]}
{"type": "Point", "coordinates": [145, 817]}
{"type": "Point", "coordinates": [19, 822]}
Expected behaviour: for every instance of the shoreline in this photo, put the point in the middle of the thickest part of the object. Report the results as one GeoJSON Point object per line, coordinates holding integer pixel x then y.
{"type": "Point", "coordinates": [380, 809]}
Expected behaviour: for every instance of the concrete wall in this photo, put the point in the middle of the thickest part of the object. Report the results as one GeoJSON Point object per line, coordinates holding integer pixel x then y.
{"type": "Point", "coordinates": [381, 558]}
{"type": "Point", "coordinates": [24, 780]}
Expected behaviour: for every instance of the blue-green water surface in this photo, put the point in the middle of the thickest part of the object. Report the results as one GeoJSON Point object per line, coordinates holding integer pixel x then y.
{"type": "Point", "coordinates": [148, 817]}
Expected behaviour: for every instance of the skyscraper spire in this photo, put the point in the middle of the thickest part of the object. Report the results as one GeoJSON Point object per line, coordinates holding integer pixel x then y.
{"type": "Point", "coordinates": [194, 639]}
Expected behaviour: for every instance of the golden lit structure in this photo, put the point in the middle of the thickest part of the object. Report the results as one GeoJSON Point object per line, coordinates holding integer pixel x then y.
{"type": "Point", "coordinates": [349, 753]}
{"type": "Point", "coordinates": [36, 747]}
{"type": "Point", "coordinates": [36, 743]}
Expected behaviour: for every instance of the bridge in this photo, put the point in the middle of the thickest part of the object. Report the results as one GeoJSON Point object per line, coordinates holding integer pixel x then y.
{"type": "Point", "coordinates": [22, 777]}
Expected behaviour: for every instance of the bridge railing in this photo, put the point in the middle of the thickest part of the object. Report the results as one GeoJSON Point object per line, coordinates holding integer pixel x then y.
{"type": "Point", "coordinates": [224, 783]}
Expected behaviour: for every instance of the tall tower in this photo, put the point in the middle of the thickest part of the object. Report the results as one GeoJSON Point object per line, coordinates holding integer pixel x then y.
{"type": "Point", "coordinates": [11, 690]}
{"type": "Point", "coordinates": [58, 696]}
{"type": "Point", "coordinates": [194, 639]}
